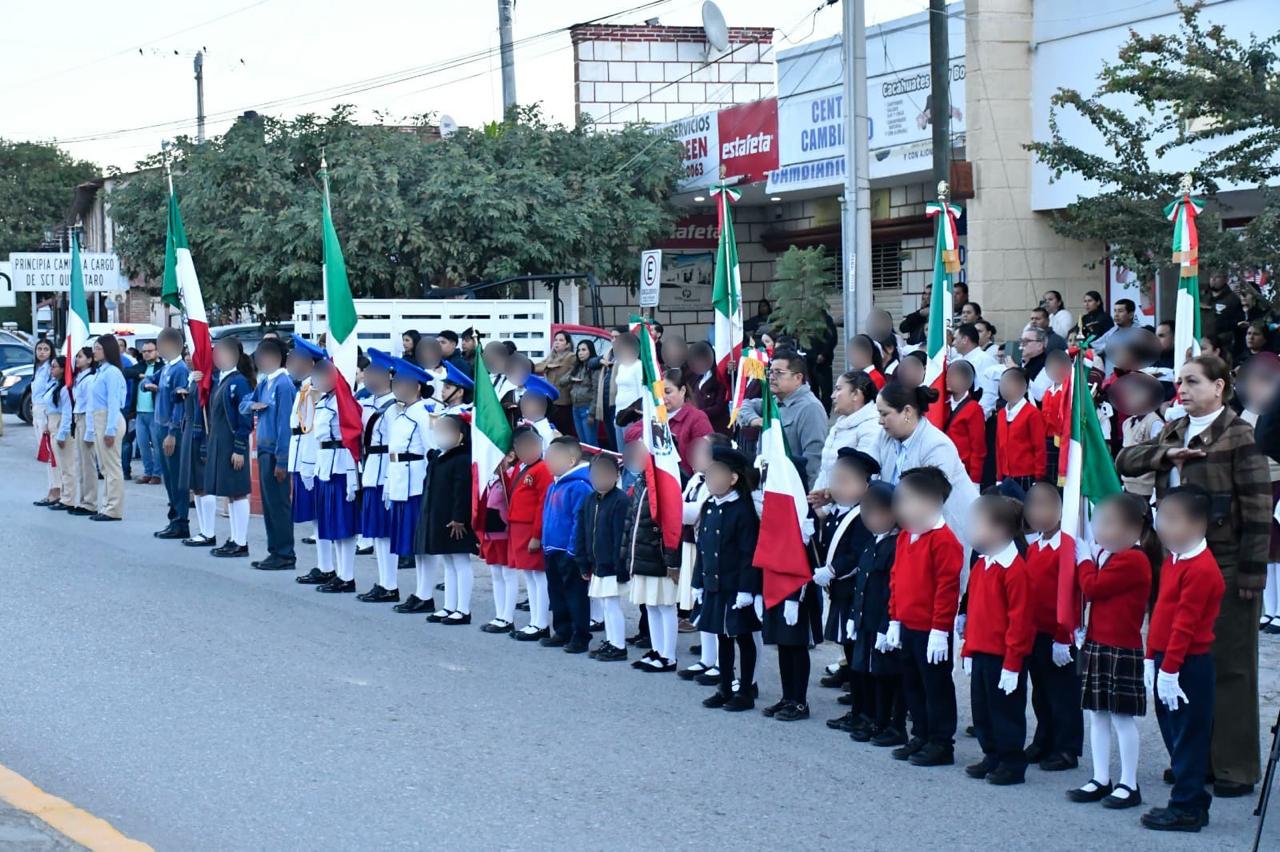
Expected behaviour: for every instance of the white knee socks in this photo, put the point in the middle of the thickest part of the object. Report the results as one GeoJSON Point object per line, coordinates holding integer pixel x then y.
{"type": "Point", "coordinates": [758, 636]}
{"type": "Point", "coordinates": [510, 579]}
{"type": "Point", "coordinates": [1271, 594]}
{"type": "Point", "coordinates": [1101, 725]}
{"type": "Point", "coordinates": [663, 631]}
{"type": "Point", "coordinates": [597, 609]}
{"type": "Point", "coordinates": [238, 510]}
{"type": "Point", "coordinates": [206, 514]}
{"type": "Point", "coordinates": [615, 623]}
{"type": "Point", "coordinates": [539, 600]}
{"type": "Point", "coordinates": [425, 568]}
{"type": "Point", "coordinates": [499, 591]}
{"type": "Point", "coordinates": [458, 581]}
{"type": "Point", "coordinates": [345, 557]}
{"type": "Point", "coordinates": [387, 563]}
{"type": "Point", "coordinates": [710, 649]}
{"type": "Point", "coordinates": [324, 555]}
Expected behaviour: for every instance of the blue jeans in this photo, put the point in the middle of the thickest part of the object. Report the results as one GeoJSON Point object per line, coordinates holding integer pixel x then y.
{"type": "Point", "coordinates": [582, 425]}
{"type": "Point", "coordinates": [147, 440]}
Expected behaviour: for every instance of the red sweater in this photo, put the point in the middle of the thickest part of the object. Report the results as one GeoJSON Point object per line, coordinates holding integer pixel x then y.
{"type": "Point", "coordinates": [924, 585]}
{"type": "Point", "coordinates": [1020, 449]}
{"type": "Point", "coordinates": [1043, 567]}
{"type": "Point", "coordinates": [967, 429]}
{"type": "Point", "coordinates": [1055, 415]}
{"type": "Point", "coordinates": [1186, 608]}
{"type": "Point", "coordinates": [999, 617]}
{"type": "Point", "coordinates": [1117, 594]}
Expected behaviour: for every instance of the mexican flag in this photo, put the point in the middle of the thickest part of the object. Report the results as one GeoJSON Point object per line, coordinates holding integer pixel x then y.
{"type": "Point", "coordinates": [181, 290]}
{"type": "Point", "coordinates": [753, 364]}
{"type": "Point", "coordinates": [490, 439]}
{"type": "Point", "coordinates": [1088, 475]}
{"type": "Point", "coordinates": [77, 312]}
{"type": "Point", "coordinates": [1186, 253]}
{"type": "Point", "coordinates": [946, 263]}
{"type": "Point", "coordinates": [780, 552]}
{"type": "Point", "coordinates": [726, 294]}
{"type": "Point", "coordinates": [340, 340]}
{"type": "Point", "coordinates": [662, 473]}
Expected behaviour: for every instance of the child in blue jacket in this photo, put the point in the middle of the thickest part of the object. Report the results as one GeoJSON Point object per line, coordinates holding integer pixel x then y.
{"type": "Point", "coordinates": [567, 591]}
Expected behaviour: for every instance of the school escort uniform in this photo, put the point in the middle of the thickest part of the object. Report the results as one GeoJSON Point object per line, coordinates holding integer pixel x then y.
{"type": "Point", "coordinates": [375, 512]}
{"type": "Point", "coordinates": [58, 409]}
{"type": "Point", "coordinates": [303, 448]}
{"type": "Point", "coordinates": [408, 441]}
{"type": "Point", "coordinates": [229, 430]}
{"type": "Point", "coordinates": [105, 419]}
{"type": "Point", "coordinates": [170, 415]}
{"type": "Point", "coordinates": [336, 485]}
{"type": "Point", "coordinates": [191, 467]}
{"type": "Point", "coordinates": [1020, 444]}
{"type": "Point", "coordinates": [273, 437]}
{"type": "Point", "coordinates": [1055, 681]}
{"type": "Point", "coordinates": [86, 461]}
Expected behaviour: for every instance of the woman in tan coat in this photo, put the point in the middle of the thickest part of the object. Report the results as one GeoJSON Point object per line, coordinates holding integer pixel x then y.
{"type": "Point", "coordinates": [557, 368]}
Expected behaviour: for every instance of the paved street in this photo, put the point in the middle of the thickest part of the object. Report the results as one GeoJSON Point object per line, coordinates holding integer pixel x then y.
{"type": "Point", "coordinates": [197, 704]}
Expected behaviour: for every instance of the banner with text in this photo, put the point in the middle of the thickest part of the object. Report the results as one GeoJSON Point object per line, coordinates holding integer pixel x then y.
{"type": "Point", "coordinates": [44, 272]}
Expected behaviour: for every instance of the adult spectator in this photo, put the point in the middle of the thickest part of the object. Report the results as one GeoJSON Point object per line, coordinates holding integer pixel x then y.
{"type": "Point", "coordinates": [146, 437]}
{"type": "Point", "coordinates": [820, 354]}
{"type": "Point", "coordinates": [556, 368]}
{"type": "Point", "coordinates": [1212, 447]}
{"type": "Point", "coordinates": [804, 420]}
{"type": "Point", "coordinates": [628, 381]}
{"type": "Point", "coordinates": [1034, 350]}
{"type": "Point", "coordinates": [409, 342]}
{"type": "Point", "coordinates": [1060, 319]}
{"type": "Point", "coordinates": [970, 312]}
{"type": "Point", "coordinates": [1095, 322]}
{"type": "Point", "coordinates": [1040, 319]}
{"type": "Point", "coordinates": [1221, 313]}
{"type": "Point", "coordinates": [468, 341]}
{"type": "Point", "coordinates": [1123, 313]}
{"type": "Point", "coordinates": [760, 318]}
{"type": "Point", "coordinates": [1255, 309]}
{"type": "Point", "coordinates": [857, 426]}
{"type": "Point", "coordinates": [448, 340]}
{"type": "Point", "coordinates": [959, 296]}
{"type": "Point", "coordinates": [706, 390]}
{"type": "Point", "coordinates": [986, 370]}
{"type": "Point", "coordinates": [686, 422]}
{"type": "Point", "coordinates": [915, 325]}
{"type": "Point", "coordinates": [987, 337]}
{"type": "Point", "coordinates": [910, 441]}
{"type": "Point", "coordinates": [675, 352]}
{"type": "Point", "coordinates": [1162, 369]}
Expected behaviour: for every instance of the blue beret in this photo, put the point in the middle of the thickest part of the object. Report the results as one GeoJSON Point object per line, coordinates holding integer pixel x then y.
{"type": "Point", "coordinates": [541, 387]}
{"type": "Point", "coordinates": [381, 360]}
{"type": "Point", "coordinates": [411, 371]}
{"type": "Point", "coordinates": [302, 346]}
{"type": "Point", "coordinates": [454, 376]}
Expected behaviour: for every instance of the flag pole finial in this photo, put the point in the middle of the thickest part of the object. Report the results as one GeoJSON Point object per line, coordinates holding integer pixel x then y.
{"type": "Point", "coordinates": [323, 165]}
{"type": "Point", "coordinates": [1184, 185]}
{"type": "Point", "coordinates": [944, 191]}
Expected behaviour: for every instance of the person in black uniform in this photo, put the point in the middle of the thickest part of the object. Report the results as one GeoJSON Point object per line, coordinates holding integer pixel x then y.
{"type": "Point", "coordinates": [841, 539]}
{"type": "Point", "coordinates": [227, 470]}
{"type": "Point", "coordinates": [724, 581]}
{"type": "Point", "coordinates": [880, 673]}
{"type": "Point", "coordinates": [194, 452]}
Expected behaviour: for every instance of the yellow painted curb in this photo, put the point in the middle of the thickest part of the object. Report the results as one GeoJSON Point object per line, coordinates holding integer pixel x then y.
{"type": "Point", "coordinates": [78, 825]}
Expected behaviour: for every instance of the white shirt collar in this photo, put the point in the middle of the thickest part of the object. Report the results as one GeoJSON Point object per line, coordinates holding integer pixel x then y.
{"type": "Point", "coordinates": [937, 525]}
{"type": "Point", "coordinates": [840, 510]}
{"type": "Point", "coordinates": [1193, 552]}
{"type": "Point", "coordinates": [881, 537]}
{"type": "Point", "coordinates": [728, 498]}
{"type": "Point", "coordinates": [1011, 411]}
{"type": "Point", "coordinates": [955, 403]}
{"type": "Point", "coordinates": [1004, 558]}
{"type": "Point", "coordinates": [1050, 543]}
{"type": "Point", "coordinates": [274, 374]}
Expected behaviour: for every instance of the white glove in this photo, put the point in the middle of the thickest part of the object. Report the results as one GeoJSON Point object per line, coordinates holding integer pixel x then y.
{"type": "Point", "coordinates": [791, 612]}
{"type": "Point", "coordinates": [759, 602]}
{"type": "Point", "coordinates": [893, 636]}
{"type": "Point", "coordinates": [1083, 551]}
{"type": "Point", "coordinates": [960, 622]}
{"type": "Point", "coordinates": [1149, 674]}
{"type": "Point", "coordinates": [351, 489]}
{"type": "Point", "coordinates": [966, 664]}
{"type": "Point", "coordinates": [823, 576]}
{"type": "Point", "coordinates": [1061, 654]}
{"type": "Point", "coordinates": [697, 595]}
{"type": "Point", "coordinates": [882, 644]}
{"type": "Point", "coordinates": [936, 650]}
{"type": "Point", "coordinates": [1008, 682]}
{"type": "Point", "coordinates": [743, 600]}
{"type": "Point", "coordinates": [1169, 691]}
{"type": "Point", "coordinates": [849, 629]}
{"type": "Point", "coordinates": [1080, 634]}
{"type": "Point", "coordinates": [308, 482]}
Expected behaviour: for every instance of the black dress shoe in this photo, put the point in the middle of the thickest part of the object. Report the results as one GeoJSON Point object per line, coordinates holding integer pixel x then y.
{"type": "Point", "coordinates": [740, 702]}
{"type": "Point", "coordinates": [379, 595]}
{"type": "Point", "coordinates": [715, 701]}
{"type": "Point", "coordinates": [527, 635]}
{"type": "Point", "coordinates": [102, 517]}
{"type": "Point", "coordinates": [837, 680]}
{"type": "Point", "coordinates": [774, 708]}
{"type": "Point", "coordinates": [231, 550]}
{"type": "Point", "coordinates": [439, 587]}
{"type": "Point", "coordinates": [41, 503]}
{"type": "Point", "coordinates": [611, 654]}
{"type": "Point", "coordinates": [844, 723]}
{"type": "Point", "coordinates": [1168, 777]}
{"type": "Point", "coordinates": [364, 551]}
{"type": "Point", "coordinates": [174, 532]}
{"type": "Point", "coordinates": [272, 563]}
{"type": "Point", "coordinates": [1089, 792]}
{"type": "Point", "coordinates": [500, 627]}
{"type": "Point", "coordinates": [308, 539]}
{"type": "Point", "coordinates": [793, 712]}
{"type": "Point", "coordinates": [596, 627]}
{"type": "Point", "coordinates": [577, 648]}
{"type": "Point", "coordinates": [410, 604]}
{"type": "Point", "coordinates": [909, 748]}
{"type": "Point", "coordinates": [888, 738]}
{"type": "Point", "coordinates": [404, 563]}
{"type": "Point", "coordinates": [337, 587]}
{"type": "Point", "coordinates": [554, 641]}
{"type": "Point", "coordinates": [846, 699]}
{"type": "Point", "coordinates": [457, 618]}
{"type": "Point", "coordinates": [1035, 753]}
{"type": "Point", "coordinates": [80, 511]}
{"type": "Point", "coordinates": [982, 768]}
{"type": "Point", "coordinates": [1174, 819]}
{"type": "Point", "coordinates": [934, 754]}
{"type": "Point", "coordinates": [59, 506]}
{"type": "Point", "coordinates": [1059, 763]}
{"type": "Point", "coordinates": [437, 616]}
{"type": "Point", "coordinates": [1006, 776]}
{"type": "Point", "coordinates": [200, 541]}
{"type": "Point", "coordinates": [711, 677]}
{"type": "Point", "coordinates": [863, 732]}
{"type": "Point", "coordinates": [691, 672]}
{"type": "Point", "coordinates": [523, 606]}
{"type": "Point", "coordinates": [315, 577]}
{"type": "Point", "coordinates": [1119, 803]}
{"type": "Point", "coordinates": [1231, 790]}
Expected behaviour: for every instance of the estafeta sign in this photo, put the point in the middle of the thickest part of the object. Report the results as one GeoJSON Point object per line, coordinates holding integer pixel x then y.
{"type": "Point", "coordinates": [46, 272]}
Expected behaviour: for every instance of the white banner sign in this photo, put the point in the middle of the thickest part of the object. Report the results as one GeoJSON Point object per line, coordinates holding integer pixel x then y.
{"type": "Point", "coordinates": [700, 136]}
{"type": "Point", "coordinates": [45, 272]}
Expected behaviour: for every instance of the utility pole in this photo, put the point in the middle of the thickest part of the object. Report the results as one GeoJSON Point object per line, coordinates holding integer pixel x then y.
{"type": "Point", "coordinates": [855, 203]}
{"type": "Point", "coordinates": [505, 9]}
{"type": "Point", "coordinates": [939, 90]}
{"type": "Point", "coordinates": [199, 65]}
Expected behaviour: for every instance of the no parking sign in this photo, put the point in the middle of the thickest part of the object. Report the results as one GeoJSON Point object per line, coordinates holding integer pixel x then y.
{"type": "Point", "coordinates": [650, 277]}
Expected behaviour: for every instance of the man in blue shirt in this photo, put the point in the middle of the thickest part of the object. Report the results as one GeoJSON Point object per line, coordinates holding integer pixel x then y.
{"type": "Point", "coordinates": [168, 417]}
{"type": "Point", "coordinates": [272, 402]}
{"type": "Point", "coordinates": [145, 438]}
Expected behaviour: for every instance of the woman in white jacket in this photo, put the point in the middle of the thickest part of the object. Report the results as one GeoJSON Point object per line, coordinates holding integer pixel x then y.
{"type": "Point", "coordinates": [857, 426]}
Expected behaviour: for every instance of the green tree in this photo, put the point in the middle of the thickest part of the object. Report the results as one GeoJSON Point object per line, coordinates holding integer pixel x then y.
{"type": "Point", "coordinates": [799, 294]}
{"type": "Point", "coordinates": [518, 197]}
{"type": "Point", "coordinates": [37, 184]}
{"type": "Point", "coordinates": [1195, 94]}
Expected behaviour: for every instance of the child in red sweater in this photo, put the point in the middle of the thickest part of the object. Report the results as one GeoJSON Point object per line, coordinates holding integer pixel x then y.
{"type": "Point", "coordinates": [1057, 364]}
{"type": "Point", "coordinates": [997, 639]}
{"type": "Point", "coordinates": [966, 423]}
{"type": "Point", "coordinates": [1020, 451]}
{"type": "Point", "coordinates": [524, 519]}
{"type": "Point", "coordinates": [924, 594]}
{"type": "Point", "coordinates": [1116, 583]}
{"type": "Point", "coordinates": [1055, 683]}
{"type": "Point", "coordinates": [1179, 665]}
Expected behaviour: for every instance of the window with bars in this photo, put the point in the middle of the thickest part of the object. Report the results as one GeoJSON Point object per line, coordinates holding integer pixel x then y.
{"type": "Point", "coordinates": [886, 266]}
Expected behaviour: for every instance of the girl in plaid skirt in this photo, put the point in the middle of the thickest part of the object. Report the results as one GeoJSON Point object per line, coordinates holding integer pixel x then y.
{"type": "Point", "coordinates": [1116, 581]}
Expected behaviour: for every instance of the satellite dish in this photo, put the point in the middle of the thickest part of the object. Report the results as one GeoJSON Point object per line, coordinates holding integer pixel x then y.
{"type": "Point", "coordinates": [448, 126]}
{"type": "Point", "coordinates": [713, 25]}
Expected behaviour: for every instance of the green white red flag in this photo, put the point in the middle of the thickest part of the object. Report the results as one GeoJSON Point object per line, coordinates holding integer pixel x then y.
{"type": "Point", "coordinates": [1186, 253]}
{"type": "Point", "coordinates": [946, 263]}
{"type": "Point", "coordinates": [490, 439]}
{"type": "Point", "coordinates": [662, 472]}
{"type": "Point", "coordinates": [1088, 476]}
{"type": "Point", "coordinates": [340, 339]}
{"type": "Point", "coordinates": [726, 294]}
{"type": "Point", "coordinates": [752, 364]}
{"type": "Point", "coordinates": [780, 550]}
{"type": "Point", "coordinates": [181, 290]}
{"type": "Point", "coordinates": [77, 311]}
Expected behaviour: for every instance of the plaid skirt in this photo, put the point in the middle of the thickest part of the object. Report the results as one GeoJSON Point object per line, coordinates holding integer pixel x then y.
{"type": "Point", "coordinates": [1112, 679]}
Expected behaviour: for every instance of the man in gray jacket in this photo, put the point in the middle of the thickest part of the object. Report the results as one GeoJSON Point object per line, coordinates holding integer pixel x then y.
{"type": "Point", "coordinates": [804, 420]}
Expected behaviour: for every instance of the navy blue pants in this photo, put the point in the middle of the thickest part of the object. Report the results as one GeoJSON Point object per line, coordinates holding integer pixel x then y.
{"type": "Point", "coordinates": [567, 594]}
{"type": "Point", "coordinates": [1188, 733]}
{"type": "Point", "coordinates": [1055, 699]}
{"type": "Point", "coordinates": [999, 720]}
{"type": "Point", "coordinates": [927, 687]}
{"type": "Point", "coordinates": [277, 512]}
{"type": "Point", "coordinates": [171, 473]}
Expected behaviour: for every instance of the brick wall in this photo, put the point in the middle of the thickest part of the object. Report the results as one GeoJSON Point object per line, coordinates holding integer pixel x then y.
{"type": "Point", "coordinates": [625, 73]}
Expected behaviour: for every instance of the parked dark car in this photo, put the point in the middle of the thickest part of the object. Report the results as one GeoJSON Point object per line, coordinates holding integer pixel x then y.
{"type": "Point", "coordinates": [15, 378]}
{"type": "Point", "coordinates": [251, 333]}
